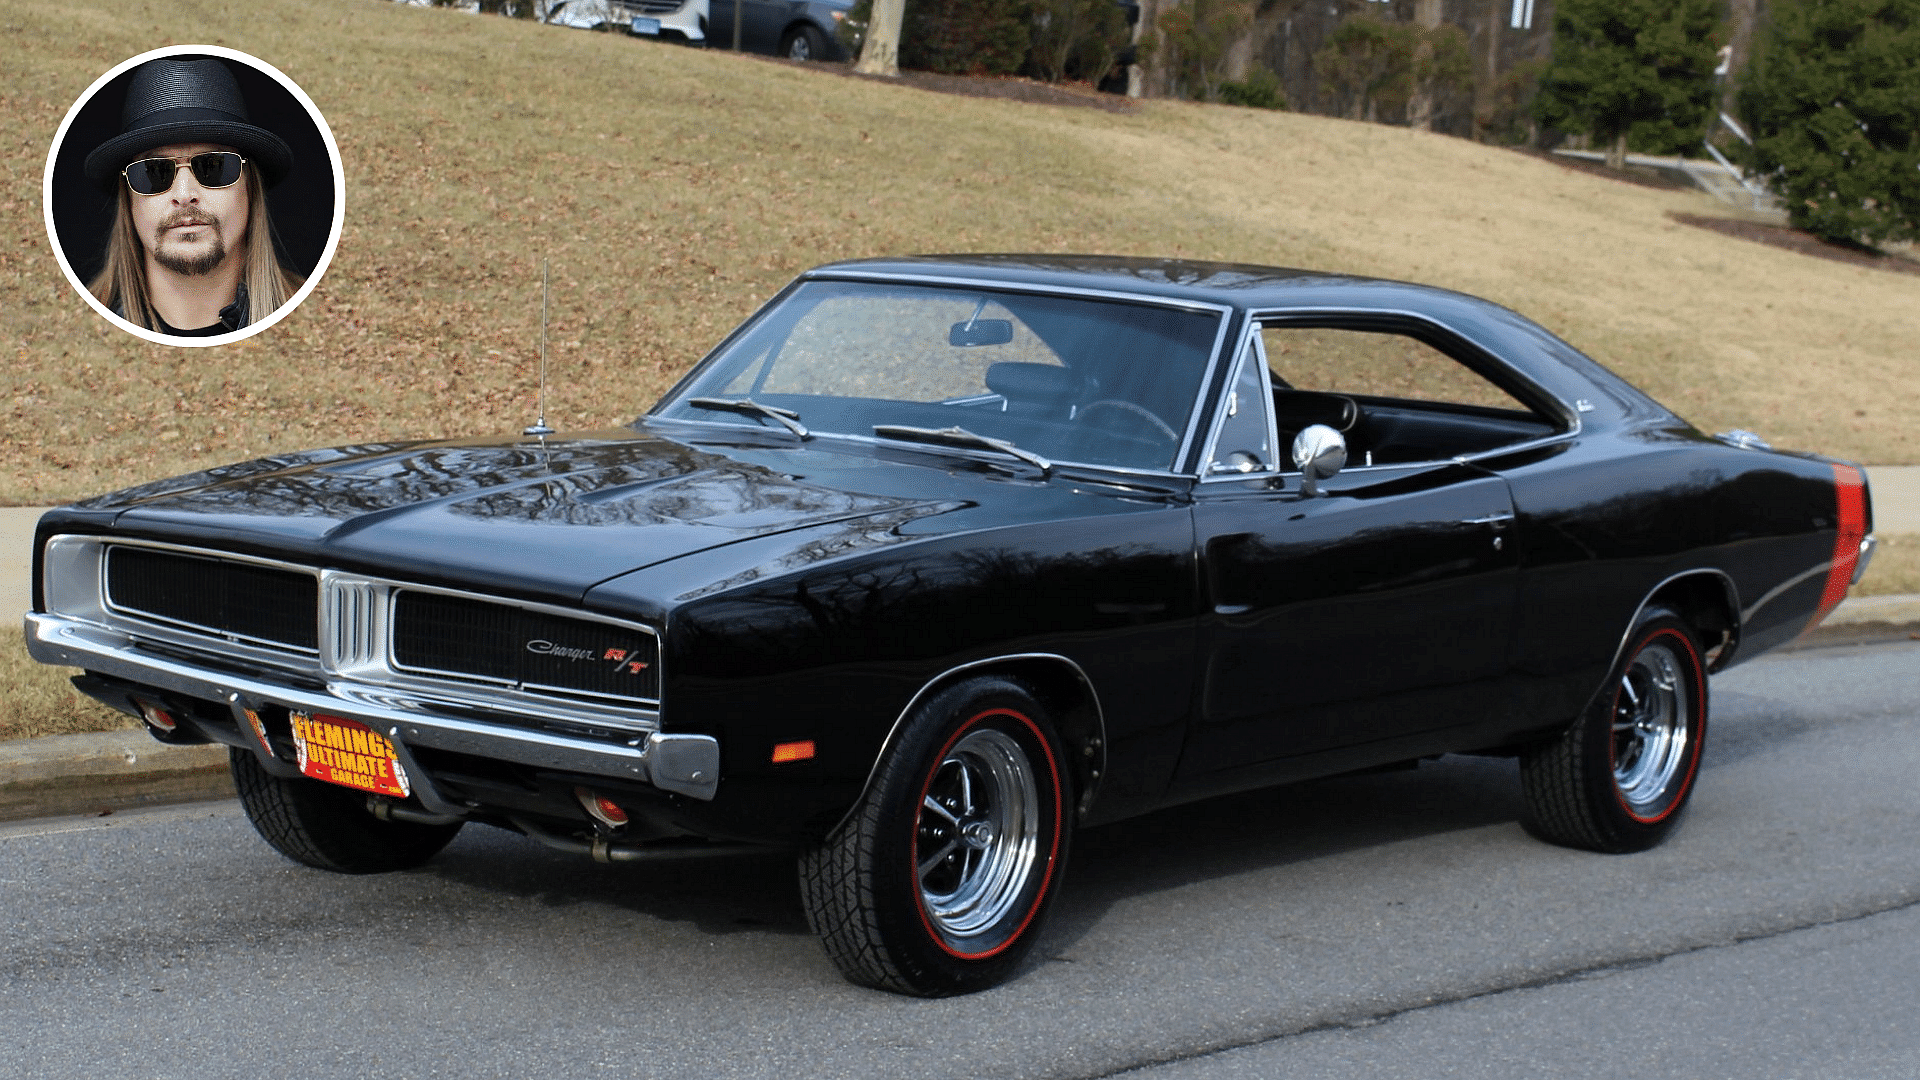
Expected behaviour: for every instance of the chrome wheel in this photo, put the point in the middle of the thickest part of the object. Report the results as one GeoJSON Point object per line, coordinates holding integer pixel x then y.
{"type": "Point", "coordinates": [1650, 726]}
{"type": "Point", "coordinates": [939, 880]}
{"type": "Point", "coordinates": [976, 842]}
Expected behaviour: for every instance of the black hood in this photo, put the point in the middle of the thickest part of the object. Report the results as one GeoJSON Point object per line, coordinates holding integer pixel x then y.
{"type": "Point", "coordinates": [515, 516]}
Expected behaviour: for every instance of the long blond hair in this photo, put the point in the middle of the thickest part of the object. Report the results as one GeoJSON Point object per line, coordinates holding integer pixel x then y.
{"type": "Point", "coordinates": [121, 283]}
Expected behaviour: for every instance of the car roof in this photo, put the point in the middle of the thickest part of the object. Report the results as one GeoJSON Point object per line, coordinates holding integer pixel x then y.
{"type": "Point", "coordinates": [1520, 342]}
{"type": "Point", "coordinates": [1236, 285]}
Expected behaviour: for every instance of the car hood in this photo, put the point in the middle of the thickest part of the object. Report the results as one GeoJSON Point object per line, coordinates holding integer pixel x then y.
{"type": "Point", "coordinates": [520, 516]}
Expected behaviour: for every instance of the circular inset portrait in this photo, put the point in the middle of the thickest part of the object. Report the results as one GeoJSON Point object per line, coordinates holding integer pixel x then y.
{"type": "Point", "coordinates": [193, 195]}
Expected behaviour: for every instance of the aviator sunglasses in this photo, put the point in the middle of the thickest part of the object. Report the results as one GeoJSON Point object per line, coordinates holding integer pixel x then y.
{"type": "Point", "coordinates": [154, 175]}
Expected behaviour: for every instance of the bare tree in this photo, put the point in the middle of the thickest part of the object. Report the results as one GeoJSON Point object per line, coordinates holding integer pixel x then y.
{"type": "Point", "coordinates": [880, 53]}
{"type": "Point", "coordinates": [1426, 15]}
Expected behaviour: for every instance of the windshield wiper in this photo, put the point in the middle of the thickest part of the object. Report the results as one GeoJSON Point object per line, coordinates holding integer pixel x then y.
{"type": "Point", "coordinates": [787, 417]}
{"type": "Point", "coordinates": [959, 436]}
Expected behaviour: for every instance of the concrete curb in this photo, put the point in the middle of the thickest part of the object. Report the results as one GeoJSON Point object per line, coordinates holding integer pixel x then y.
{"type": "Point", "coordinates": [90, 774]}
{"type": "Point", "coordinates": [116, 770]}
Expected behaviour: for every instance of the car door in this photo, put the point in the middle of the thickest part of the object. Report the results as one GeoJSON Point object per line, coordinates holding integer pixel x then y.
{"type": "Point", "coordinates": [760, 22]}
{"type": "Point", "coordinates": [1357, 621]}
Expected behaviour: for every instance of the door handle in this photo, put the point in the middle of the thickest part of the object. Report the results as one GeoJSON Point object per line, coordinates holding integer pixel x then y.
{"type": "Point", "coordinates": [1495, 520]}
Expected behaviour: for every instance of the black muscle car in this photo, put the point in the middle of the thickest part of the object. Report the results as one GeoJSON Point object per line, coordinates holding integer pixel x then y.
{"type": "Point", "coordinates": [935, 560]}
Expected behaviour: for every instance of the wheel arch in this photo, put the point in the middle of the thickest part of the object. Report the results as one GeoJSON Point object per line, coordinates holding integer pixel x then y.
{"type": "Point", "coordinates": [800, 25]}
{"type": "Point", "coordinates": [1706, 600]}
{"type": "Point", "coordinates": [1058, 684]}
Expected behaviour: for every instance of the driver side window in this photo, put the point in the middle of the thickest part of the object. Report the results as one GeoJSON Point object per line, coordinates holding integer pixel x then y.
{"type": "Point", "coordinates": [1244, 441]}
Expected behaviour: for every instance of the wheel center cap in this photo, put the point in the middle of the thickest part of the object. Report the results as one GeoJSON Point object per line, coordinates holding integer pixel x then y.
{"type": "Point", "coordinates": [977, 834]}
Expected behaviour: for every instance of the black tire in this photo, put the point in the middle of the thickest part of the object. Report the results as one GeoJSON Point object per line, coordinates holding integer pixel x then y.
{"type": "Point", "coordinates": [327, 826]}
{"type": "Point", "coordinates": [804, 43]}
{"type": "Point", "coordinates": [1617, 780]}
{"type": "Point", "coordinates": [977, 774]}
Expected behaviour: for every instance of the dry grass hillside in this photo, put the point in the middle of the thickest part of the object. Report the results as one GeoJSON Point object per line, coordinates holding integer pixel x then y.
{"type": "Point", "coordinates": [674, 189]}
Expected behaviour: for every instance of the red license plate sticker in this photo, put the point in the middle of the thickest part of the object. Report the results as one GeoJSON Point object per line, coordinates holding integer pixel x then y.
{"type": "Point", "coordinates": [348, 753]}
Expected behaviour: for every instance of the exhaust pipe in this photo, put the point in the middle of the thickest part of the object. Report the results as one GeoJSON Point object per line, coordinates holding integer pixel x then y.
{"type": "Point", "coordinates": [387, 810]}
{"type": "Point", "coordinates": [602, 850]}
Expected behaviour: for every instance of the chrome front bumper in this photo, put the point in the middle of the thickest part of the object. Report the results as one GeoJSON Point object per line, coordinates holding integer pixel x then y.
{"type": "Point", "coordinates": [684, 764]}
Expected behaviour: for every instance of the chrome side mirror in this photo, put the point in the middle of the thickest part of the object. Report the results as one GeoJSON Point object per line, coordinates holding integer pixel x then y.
{"type": "Point", "coordinates": [1319, 453]}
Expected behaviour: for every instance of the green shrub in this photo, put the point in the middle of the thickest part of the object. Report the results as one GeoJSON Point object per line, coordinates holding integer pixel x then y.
{"type": "Point", "coordinates": [1077, 39]}
{"type": "Point", "coordinates": [1197, 36]}
{"type": "Point", "coordinates": [960, 37]}
{"type": "Point", "coordinates": [1832, 101]}
{"type": "Point", "coordinates": [1372, 68]}
{"type": "Point", "coordinates": [1642, 69]}
{"type": "Point", "coordinates": [1261, 90]}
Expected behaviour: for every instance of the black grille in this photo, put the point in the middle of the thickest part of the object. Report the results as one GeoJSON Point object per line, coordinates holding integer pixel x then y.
{"type": "Point", "coordinates": [216, 595]}
{"type": "Point", "coordinates": [453, 635]}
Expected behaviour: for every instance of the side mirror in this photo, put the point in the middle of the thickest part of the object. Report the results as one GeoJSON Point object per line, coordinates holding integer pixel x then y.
{"type": "Point", "coordinates": [1319, 452]}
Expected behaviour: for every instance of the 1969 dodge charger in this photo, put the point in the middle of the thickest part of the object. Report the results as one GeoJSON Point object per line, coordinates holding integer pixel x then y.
{"type": "Point", "coordinates": [935, 560]}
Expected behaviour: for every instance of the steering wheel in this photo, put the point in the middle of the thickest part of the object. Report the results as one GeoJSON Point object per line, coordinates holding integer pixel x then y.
{"type": "Point", "coordinates": [1139, 411]}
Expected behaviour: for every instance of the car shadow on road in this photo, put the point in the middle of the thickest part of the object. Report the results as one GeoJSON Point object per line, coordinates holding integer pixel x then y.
{"type": "Point", "coordinates": [1278, 827]}
{"type": "Point", "coordinates": [718, 894]}
{"type": "Point", "coordinates": [1216, 838]}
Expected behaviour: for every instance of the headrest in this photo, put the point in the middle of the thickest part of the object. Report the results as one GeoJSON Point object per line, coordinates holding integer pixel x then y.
{"type": "Point", "coordinates": [1040, 384]}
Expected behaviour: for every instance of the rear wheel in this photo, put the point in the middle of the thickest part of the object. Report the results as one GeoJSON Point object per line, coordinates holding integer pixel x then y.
{"type": "Point", "coordinates": [804, 43]}
{"type": "Point", "coordinates": [327, 826]}
{"type": "Point", "coordinates": [939, 880]}
{"type": "Point", "coordinates": [1617, 780]}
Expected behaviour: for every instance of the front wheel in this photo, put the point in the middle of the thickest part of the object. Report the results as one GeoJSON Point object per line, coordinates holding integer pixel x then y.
{"type": "Point", "coordinates": [804, 43]}
{"type": "Point", "coordinates": [1617, 780]}
{"type": "Point", "coordinates": [938, 882]}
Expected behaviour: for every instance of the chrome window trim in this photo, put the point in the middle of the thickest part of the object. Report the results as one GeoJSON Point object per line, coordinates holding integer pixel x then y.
{"type": "Point", "coordinates": [1569, 415]}
{"type": "Point", "coordinates": [1249, 338]}
{"type": "Point", "coordinates": [1147, 299]}
{"type": "Point", "coordinates": [1258, 319]}
{"type": "Point", "coordinates": [984, 456]}
{"type": "Point", "coordinates": [1224, 313]}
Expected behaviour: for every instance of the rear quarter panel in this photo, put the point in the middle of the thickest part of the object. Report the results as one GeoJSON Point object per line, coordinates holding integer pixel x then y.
{"type": "Point", "coordinates": [1607, 520]}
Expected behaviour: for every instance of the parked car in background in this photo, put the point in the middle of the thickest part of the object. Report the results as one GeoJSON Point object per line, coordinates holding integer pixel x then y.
{"type": "Point", "coordinates": [935, 560]}
{"type": "Point", "coordinates": [795, 29]}
{"type": "Point", "coordinates": [676, 20]}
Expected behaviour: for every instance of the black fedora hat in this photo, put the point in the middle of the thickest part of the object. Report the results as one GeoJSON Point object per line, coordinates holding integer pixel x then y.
{"type": "Point", "coordinates": [178, 101]}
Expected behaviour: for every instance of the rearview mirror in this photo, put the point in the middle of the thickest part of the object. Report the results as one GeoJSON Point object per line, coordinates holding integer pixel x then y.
{"type": "Point", "coordinates": [973, 332]}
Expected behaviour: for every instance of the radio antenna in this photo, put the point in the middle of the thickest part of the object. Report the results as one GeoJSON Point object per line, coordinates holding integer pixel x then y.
{"type": "Point", "coordinates": [540, 427]}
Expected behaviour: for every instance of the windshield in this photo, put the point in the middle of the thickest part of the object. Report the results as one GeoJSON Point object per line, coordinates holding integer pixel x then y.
{"type": "Point", "coordinates": [1069, 378]}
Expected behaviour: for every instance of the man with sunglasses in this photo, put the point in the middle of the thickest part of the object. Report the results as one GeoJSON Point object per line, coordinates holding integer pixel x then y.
{"type": "Point", "coordinates": [191, 250]}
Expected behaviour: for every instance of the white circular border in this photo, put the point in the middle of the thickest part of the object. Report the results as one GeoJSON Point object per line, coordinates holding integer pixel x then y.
{"type": "Point", "coordinates": [333, 234]}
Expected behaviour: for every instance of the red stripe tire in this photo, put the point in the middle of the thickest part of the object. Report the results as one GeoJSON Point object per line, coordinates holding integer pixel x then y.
{"type": "Point", "coordinates": [1617, 780]}
{"type": "Point", "coordinates": [939, 881]}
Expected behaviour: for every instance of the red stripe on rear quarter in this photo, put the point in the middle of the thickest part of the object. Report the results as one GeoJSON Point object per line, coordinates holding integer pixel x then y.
{"type": "Point", "coordinates": [1850, 496]}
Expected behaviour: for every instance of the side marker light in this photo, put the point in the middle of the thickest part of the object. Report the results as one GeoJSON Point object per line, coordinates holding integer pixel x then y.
{"type": "Point", "coordinates": [792, 751]}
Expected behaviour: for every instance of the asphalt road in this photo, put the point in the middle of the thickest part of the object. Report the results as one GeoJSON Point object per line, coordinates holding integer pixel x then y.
{"type": "Point", "coordinates": [1379, 926]}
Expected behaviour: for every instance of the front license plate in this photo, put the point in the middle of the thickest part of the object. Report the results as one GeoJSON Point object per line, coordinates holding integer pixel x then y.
{"type": "Point", "coordinates": [649, 27]}
{"type": "Point", "coordinates": [348, 753]}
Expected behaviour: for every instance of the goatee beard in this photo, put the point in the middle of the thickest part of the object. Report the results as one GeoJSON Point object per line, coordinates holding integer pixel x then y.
{"type": "Point", "coordinates": [189, 265]}
{"type": "Point", "coordinates": [193, 265]}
